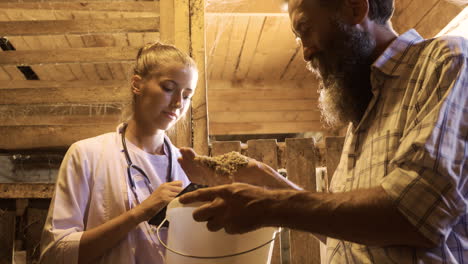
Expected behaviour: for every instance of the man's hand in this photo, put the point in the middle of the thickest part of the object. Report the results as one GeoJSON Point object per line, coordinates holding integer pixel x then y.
{"type": "Point", "coordinates": [255, 173]}
{"type": "Point", "coordinates": [238, 207]}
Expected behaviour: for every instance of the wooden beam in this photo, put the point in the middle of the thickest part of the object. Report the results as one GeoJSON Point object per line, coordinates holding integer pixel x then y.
{"type": "Point", "coordinates": [28, 137]}
{"type": "Point", "coordinates": [56, 27]}
{"type": "Point", "coordinates": [79, 5]}
{"type": "Point", "coordinates": [73, 55]}
{"type": "Point", "coordinates": [301, 159]}
{"type": "Point", "coordinates": [53, 92]}
{"type": "Point", "coordinates": [264, 128]}
{"type": "Point", "coordinates": [26, 190]}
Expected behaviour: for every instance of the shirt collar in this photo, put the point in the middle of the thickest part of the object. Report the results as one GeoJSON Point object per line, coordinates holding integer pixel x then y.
{"type": "Point", "coordinates": [391, 59]}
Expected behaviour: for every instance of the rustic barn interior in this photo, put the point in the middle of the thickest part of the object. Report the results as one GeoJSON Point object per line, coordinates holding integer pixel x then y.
{"type": "Point", "coordinates": [64, 76]}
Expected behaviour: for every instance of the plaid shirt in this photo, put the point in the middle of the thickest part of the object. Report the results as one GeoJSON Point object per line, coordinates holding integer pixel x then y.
{"type": "Point", "coordinates": [412, 141]}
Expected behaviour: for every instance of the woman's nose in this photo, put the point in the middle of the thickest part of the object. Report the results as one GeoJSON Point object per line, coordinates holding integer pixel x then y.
{"type": "Point", "coordinates": [177, 100]}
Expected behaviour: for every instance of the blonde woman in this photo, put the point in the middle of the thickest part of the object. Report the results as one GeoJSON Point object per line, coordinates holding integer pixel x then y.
{"type": "Point", "coordinates": [109, 186]}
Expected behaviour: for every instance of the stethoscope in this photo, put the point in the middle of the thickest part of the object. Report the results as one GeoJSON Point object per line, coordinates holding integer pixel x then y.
{"type": "Point", "coordinates": [131, 166]}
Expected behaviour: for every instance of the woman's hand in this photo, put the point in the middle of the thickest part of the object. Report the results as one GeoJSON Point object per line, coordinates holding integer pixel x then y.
{"type": "Point", "coordinates": [255, 173]}
{"type": "Point", "coordinates": [163, 195]}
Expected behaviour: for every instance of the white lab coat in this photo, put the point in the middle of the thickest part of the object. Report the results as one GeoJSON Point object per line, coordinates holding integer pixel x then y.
{"type": "Point", "coordinates": [92, 188]}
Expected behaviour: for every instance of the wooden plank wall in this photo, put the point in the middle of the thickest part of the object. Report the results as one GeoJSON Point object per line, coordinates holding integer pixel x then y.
{"type": "Point", "coordinates": [262, 107]}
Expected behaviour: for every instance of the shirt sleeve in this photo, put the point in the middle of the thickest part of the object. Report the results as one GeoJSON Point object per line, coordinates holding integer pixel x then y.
{"type": "Point", "coordinates": [429, 178]}
{"type": "Point", "coordinates": [65, 221]}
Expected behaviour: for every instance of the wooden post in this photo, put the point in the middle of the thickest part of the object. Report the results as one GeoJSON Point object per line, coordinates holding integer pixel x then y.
{"type": "Point", "coordinates": [175, 30]}
{"type": "Point", "coordinates": [182, 24]}
{"type": "Point", "coordinates": [265, 150]}
{"type": "Point", "coordinates": [305, 248]}
{"type": "Point", "coordinates": [333, 147]}
{"type": "Point", "coordinates": [199, 102]}
{"type": "Point", "coordinates": [7, 230]}
{"type": "Point", "coordinates": [222, 147]}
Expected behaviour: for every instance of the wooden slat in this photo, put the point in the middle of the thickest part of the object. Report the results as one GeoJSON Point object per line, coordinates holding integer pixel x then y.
{"type": "Point", "coordinates": [74, 55]}
{"type": "Point", "coordinates": [285, 47]}
{"type": "Point", "coordinates": [87, 6]}
{"type": "Point", "coordinates": [301, 170]}
{"type": "Point", "coordinates": [26, 190]}
{"type": "Point", "coordinates": [221, 47]}
{"type": "Point", "coordinates": [236, 45]}
{"type": "Point", "coordinates": [69, 114]}
{"type": "Point", "coordinates": [264, 128]}
{"type": "Point", "coordinates": [264, 49]}
{"type": "Point", "coordinates": [222, 147]}
{"type": "Point", "coordinates": [333, 148]}
{"type": "Point", "coordinates": [265, 150]}
{"type": "Point", "coordinates": [224, 89]}
{"type": "Point", "coordinates": [250, 105]}
{"type": "Point", "coordinates": [263, 117]}
{"type": "Point", "coordinates": [53, 27]}
{"type": "Point", "coordinates": [26, 137]}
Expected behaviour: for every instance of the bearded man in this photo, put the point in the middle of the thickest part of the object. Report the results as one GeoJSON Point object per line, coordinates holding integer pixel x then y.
{"type": "Point", "coordinates": [400, 192]}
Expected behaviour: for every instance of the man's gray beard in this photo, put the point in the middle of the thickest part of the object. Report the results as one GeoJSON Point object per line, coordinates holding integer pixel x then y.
{"type": "Point", "coordinates": [345, 89]}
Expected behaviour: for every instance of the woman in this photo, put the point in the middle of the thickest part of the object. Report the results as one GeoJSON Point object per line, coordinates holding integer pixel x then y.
{"type": "Point", "coordinates": [96, 216]}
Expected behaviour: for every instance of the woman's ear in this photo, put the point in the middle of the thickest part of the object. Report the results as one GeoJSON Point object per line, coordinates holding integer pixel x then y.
{"type": "Point", "coordinates": [136, 82]}
{"type": "Point", "coordinates": [355, 11]}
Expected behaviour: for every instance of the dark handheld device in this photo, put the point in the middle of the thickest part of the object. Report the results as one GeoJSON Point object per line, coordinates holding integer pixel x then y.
{"type": "Point", "coordinates": [159, 217]}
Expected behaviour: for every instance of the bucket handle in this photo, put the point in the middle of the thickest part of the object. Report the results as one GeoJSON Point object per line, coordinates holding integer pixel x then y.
{"type": "Point", "coordinates": [210, 257]}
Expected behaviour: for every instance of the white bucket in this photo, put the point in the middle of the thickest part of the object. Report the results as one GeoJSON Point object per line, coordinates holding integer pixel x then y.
{"type": "Point", "coordinates": [191, 242]}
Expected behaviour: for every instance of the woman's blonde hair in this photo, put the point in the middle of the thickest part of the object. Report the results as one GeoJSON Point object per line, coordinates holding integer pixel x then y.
{"type": "Point", "coordinates": [151, 58]}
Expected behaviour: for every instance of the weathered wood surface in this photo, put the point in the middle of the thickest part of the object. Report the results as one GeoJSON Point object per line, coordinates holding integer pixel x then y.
{"type": "Point", "coordinates": [305, 248]}
{"type": "Point", "coordinates": [26, 190]}
{"type": "Point", "coordinates": [35, 219]}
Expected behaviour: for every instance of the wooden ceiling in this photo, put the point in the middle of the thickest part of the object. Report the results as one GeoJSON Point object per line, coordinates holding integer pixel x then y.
{"type": "Point", "coordinates": [81, 52]}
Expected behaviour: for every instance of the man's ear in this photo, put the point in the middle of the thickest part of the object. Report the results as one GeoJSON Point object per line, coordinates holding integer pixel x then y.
{"type": "Point", "coordinates": [355, 11]}
{"type": "Point", "coordinates": [136, 82]}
